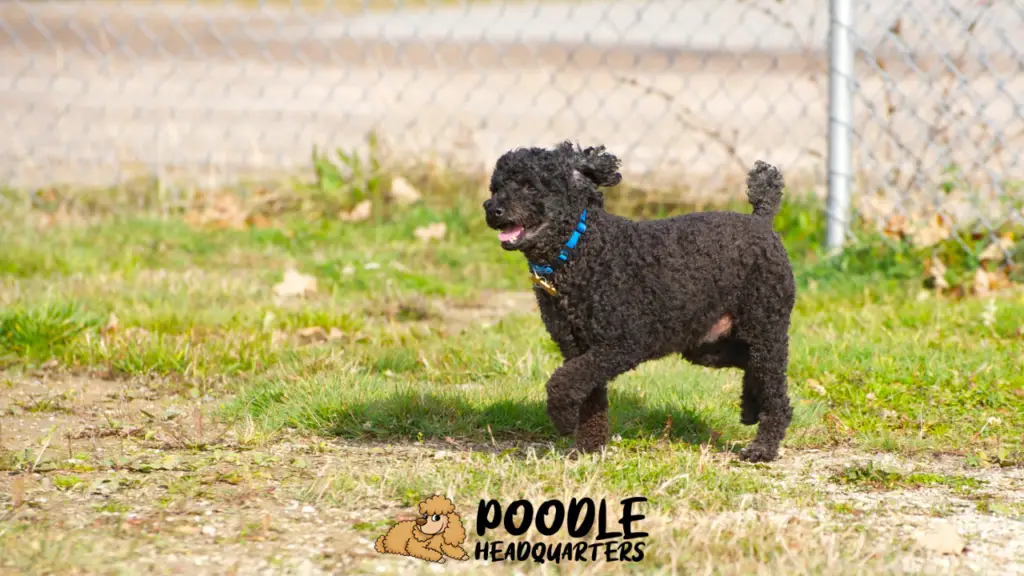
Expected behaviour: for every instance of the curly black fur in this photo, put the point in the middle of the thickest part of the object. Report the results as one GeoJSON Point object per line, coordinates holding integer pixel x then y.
{"type": "Point", "coordinates": [715, 287]}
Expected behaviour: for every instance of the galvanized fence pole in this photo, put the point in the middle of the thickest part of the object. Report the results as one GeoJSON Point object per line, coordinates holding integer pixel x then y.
{"type": "Point", "coordinates": [840, 127]}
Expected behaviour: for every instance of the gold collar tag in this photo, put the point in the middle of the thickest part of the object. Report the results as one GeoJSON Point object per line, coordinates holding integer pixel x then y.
{"type": "Point", "coordinates": [544, 284]}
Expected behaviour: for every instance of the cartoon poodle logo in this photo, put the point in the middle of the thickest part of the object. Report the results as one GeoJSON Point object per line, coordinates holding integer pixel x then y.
{"type": "Point", "coordinates": [437, 533]}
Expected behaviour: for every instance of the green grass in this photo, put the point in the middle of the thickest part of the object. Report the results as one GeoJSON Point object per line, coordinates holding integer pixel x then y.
{"type": "Point", "coordinates": [878, 362]}
{"type": "Point", "coordinates": [899, 371]}
{"type": "Point", "coordinates": [880, 478]}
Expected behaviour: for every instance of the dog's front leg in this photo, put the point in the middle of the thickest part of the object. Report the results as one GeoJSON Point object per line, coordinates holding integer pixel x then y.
{"type": "Point", "coordinates": [592, 432]}
{"type": "Point", "coordinates": [578, 397]}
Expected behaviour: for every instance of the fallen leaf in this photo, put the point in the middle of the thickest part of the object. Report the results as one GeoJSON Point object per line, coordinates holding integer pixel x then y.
{"type": "Point", "coordinates": [113, 323]}
{"type": "Point", "coordinates": [997, 250]}
{"type": "Point", "coordinates": [435, 231]}
{"type": "Point", "coordinates": [816, 386]}
{"type": "Point", "coordinates": [225, 211]}
{"type": "Point", "coordinates": [18, 492]}
{"type": "Point", "coordinates": [998, 280]}
{"type": "Point", "coordinates": [259, 221]}
{"type": "Point", "coordinates": [403, 193]}
{"type": "Point", "coordinates": [171, 413]}
{"type": "Point", "coordinates": [311, 334]}
{"type": "Point", "coordinates": [942, 538]}
{"type": "Point", "coordinates": [982, 285]}
{"type": "Point", "coordinates": [896, 226]}
{"type": "Point", "coordinates": [937, 273]}
{"type": "Point", "coordinates": [295, 284]}
{"type": "Point", "coordinates": [935, 231]}
{"type": "Point", "coordinates": [362, 211]}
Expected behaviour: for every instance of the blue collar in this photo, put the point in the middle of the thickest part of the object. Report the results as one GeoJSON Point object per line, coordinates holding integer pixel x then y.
{"type": "Point", "coordinates": [563, 256]}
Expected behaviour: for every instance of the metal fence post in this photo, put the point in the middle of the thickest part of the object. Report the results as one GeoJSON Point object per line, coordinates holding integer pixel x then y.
{"type": "Point", "coordinates": [840, 125]}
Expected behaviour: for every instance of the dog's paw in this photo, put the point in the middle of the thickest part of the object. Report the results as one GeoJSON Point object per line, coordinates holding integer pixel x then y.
{"type": "Point", "coordinates": [564, 419]}
{"type": "Point", "coordinates": [589, 443]}
{"type": "Point", "coordinates": [758, 453]}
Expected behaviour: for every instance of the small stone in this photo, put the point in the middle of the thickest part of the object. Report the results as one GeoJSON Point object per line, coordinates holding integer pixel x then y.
{"type": "Point", "coordinates": [942, 538]}
{"type": "Point", "coordinates": [209, 530]}
{"type": "Point", "coordinates": [307, 509]}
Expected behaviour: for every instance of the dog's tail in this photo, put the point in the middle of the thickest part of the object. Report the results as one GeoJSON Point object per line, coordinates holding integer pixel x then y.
{"type": "Point", "coordinates": [764, 189]}
{"type": "Point", "coordinates": [379, 546]}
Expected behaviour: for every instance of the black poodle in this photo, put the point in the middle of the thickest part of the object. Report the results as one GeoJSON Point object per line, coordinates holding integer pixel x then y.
{"type": "Point", "coordinates": [715, 287]}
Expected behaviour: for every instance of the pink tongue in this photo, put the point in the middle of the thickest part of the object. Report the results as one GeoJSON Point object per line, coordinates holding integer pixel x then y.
{"type": "Point", "coordinates": [510, 233]}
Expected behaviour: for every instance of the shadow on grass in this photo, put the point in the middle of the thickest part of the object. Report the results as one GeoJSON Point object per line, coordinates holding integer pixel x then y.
{"type": "Point", "coordinates": [408, 415]}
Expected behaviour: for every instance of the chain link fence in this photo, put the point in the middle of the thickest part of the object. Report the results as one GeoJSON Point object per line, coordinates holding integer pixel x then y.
{"type": "Point", "coordinates": [687, 92]}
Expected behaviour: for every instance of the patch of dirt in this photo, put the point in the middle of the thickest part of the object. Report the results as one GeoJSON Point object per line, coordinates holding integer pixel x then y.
{"type": "Point", "coordinates": [984, 505]}
{"type": "Point", "coordinates": [147, 482]}
{"type": "Point", "coordinates": [489, 308]}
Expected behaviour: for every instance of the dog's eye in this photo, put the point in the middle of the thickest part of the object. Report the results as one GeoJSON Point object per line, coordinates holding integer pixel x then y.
{"type": "Point", "coordinates": [435, 518]}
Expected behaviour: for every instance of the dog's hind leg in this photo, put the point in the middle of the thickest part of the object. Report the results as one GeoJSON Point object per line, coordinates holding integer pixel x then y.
{"type": "Point", "coordinates": [764, 388]}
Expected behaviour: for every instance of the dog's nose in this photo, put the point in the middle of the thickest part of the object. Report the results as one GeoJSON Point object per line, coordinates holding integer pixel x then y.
{"type": "Point", "coordinates": [421, 521]}
{"type": "Point", "coordinates": [492, 210]}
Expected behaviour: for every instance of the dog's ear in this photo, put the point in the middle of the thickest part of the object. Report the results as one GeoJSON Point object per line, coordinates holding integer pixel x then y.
{"type": "Point", "coordinates": [599, 166]}
{"type": "Point", "coordinates": [455, 533]}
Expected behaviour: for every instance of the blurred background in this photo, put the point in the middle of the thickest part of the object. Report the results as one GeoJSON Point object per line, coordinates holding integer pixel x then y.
{"type": "Point", "coordinates": [688, 92]}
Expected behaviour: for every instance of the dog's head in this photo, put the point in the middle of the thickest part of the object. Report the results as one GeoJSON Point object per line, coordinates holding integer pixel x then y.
{"type": "Point", "coordinates": [438, 517]}
{"type": "Point", "coordinates": [537, 194]}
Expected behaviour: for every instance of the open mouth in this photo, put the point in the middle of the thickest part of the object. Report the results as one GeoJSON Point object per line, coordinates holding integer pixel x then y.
{"type": "Point", "coordinates": [510, 234]}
